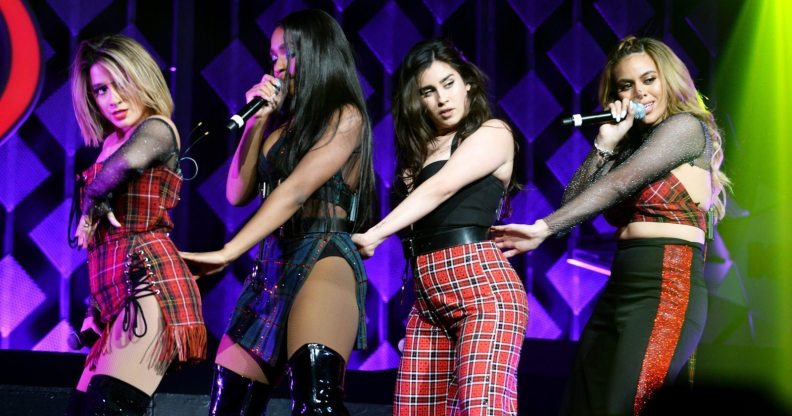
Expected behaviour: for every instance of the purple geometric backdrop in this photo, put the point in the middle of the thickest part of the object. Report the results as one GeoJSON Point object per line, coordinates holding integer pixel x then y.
{"type": "Point", "coordinates": [543, 59]}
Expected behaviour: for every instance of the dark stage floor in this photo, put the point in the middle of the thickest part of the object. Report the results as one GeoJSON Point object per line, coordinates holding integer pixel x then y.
{"type": "Point", "coordinates": [39, 383]}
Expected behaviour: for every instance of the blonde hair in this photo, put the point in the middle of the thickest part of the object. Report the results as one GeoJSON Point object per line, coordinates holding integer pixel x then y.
{"type": "Point", "coordinates": [681, 96]}
{"type": "Point", "coordinates": [135, 74]}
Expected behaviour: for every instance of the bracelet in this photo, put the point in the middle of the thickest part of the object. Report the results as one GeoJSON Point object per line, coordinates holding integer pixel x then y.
{"type": "Point", "coordinates": [603, 153]}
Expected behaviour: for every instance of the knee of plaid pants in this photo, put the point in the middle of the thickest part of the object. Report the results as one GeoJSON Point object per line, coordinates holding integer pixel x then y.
{"type": "Point", "coordinates": [426, 383]}
{"type": "Point", "coordinates": [489, 355]}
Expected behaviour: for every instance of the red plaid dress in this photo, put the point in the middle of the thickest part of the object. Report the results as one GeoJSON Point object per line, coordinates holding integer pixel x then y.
{"type": "Point", "coordinates": [139, 259]}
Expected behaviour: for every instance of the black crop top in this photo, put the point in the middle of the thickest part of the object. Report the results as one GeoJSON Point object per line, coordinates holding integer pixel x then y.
{"type": "Point", "coordinates": [477, 203]}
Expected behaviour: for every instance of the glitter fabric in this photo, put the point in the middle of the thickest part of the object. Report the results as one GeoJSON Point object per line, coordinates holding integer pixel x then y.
{"type": "Point", "coordinates": [674, 295]}
{"type": "Point", "coordinates": [151, 144]}
{"type": "Point", "coordinates": [599, 184]}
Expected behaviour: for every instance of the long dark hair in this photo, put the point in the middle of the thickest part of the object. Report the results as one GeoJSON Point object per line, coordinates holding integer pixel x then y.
{"type": "Point", "coordinates": [324, 82]}
{"type": "Point", "coordinates": [414, 128]}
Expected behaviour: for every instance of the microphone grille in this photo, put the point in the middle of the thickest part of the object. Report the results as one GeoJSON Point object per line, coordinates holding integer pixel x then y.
{"type": "Point", "coordinates": [639, 110]}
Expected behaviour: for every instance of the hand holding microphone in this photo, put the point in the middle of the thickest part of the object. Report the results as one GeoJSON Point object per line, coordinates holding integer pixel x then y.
{"type": "Point", "coordinates": [608, 116]}
{"type": "Point", "coordinates": [622, 115]}
{"type": "Point", "coordinates": [264, 94]}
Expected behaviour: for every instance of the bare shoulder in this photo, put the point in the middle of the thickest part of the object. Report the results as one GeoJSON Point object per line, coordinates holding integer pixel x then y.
{"type": "Point", "coordinates": [346, 122]}
{"type": "Point", "coordinates": [349, 116]}
{"type": "Point", "coordinates": [497, 124]}
{"type": "Point", "coordinates": [494, 129]}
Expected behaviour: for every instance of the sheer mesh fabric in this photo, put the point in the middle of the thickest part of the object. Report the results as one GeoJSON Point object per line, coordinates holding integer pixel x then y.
{"type": "Point", "coordinates": [321, 203]}
{"type": "Point", "coordinates": [345, 134]}
{"type": "Point", "coordinates": [599, 185]}
{"type": "Point", "coordinates": [152, 143]}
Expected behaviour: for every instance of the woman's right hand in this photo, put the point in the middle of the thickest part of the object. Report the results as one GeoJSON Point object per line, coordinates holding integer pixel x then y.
{"type": "Point", "coordinates": [610, 134]}
{"type": "Point", "coordinates": [203, 264]}
{"type": "Point", "coordinates": [366, 243]}
{"type": "Point", "coordinates": [270, 90]}
{"type": "Point", "coordinates": [516, 239]}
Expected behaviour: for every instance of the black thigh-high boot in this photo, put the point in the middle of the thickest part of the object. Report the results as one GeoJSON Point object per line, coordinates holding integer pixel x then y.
{"type": "Point", "coordinates": [233, 394]}
{"type": "Point", "coordinates": [317, 381]}
{"type": "Point", "coordinates": [108, 395]}
{"type": "Point", "coordinates": [76, 403]}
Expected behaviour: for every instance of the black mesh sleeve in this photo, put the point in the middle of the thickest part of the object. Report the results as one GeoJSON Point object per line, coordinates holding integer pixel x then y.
{"type": "Point", "coordinates": [677, 140]}
{"type": "Point", "coordinates": [592, 168]}
{"type": "Point", "coordinates": [152, 143]}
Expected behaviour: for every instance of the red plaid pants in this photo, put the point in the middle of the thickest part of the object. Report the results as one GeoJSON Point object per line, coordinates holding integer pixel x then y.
{"type": "Point", "coordinates": [464, 335]}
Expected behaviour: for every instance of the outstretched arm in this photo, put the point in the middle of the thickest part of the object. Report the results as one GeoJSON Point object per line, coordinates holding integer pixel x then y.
{"type": "Point", "coordinates": [482, 153]}
{"type": "Point", "coordinates": [678, 140]}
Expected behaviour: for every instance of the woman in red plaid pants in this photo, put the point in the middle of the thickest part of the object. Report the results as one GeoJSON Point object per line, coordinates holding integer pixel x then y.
{"type": "Point", "coordinates": [467, 326]}
{"type": "Point", "coordinates": [145, 297]}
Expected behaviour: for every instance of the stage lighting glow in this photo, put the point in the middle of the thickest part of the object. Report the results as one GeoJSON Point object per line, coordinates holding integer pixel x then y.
{"type": "Point", "coordinates": [753, 87]}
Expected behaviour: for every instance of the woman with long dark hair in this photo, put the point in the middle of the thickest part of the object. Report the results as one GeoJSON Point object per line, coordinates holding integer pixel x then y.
{"type": "Point", "coordinates": [467, 326]}
{"type": "Point", "coordinates": [312, 163]}
{"type": "Point", "coordinates": [658, 180]}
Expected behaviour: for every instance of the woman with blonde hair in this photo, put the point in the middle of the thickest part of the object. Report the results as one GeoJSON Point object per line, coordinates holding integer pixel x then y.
{"type": "Point", "coordinates": [658, 180]}
{"type": "Point", "coordinates": [147, 308]}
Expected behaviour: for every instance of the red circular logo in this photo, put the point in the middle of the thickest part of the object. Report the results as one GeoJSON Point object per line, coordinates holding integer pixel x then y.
{"type": "Point", "coordinates": [20, 91]}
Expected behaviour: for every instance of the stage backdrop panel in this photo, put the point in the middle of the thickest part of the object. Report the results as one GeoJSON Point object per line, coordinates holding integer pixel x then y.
{"type": "Point", "coordinates": [543, 59]}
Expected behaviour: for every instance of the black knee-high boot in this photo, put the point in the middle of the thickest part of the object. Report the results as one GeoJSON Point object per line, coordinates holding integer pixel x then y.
{"type": "Point", "coordinates": [317, 381]}
{"type": "Point", "coordinates": [76, 403]}
{"type": "Point", "coordinates": [236, 395]}
{"type": "Point", "coordinates": [108, 395]}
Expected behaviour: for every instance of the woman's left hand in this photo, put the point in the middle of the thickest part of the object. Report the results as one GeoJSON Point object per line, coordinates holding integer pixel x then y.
{"type": "Point", "coordinates": [204, 264]}
{"type": "Point", "coordinates": [518, 238]}
{"type": "Point", "coordinates": [366, 244]}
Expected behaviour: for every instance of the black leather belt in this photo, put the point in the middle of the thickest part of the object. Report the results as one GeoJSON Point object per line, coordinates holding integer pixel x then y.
{"type": "Point", "coordinates": [317, 225]}
{"type": "Point", "coordinates": [417, 245]}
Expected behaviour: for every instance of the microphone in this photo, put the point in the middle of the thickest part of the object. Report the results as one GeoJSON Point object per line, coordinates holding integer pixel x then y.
{"type": "Point", "coordinates": [77, 340]}
{"type": "Point", "coordinates": [238, 120]}
{"type": "Point", "coordinates": [578, 120]}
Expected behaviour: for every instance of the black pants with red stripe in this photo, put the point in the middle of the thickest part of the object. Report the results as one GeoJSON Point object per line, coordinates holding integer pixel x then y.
{"type": "Point", "coordinates": [643, 330]}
